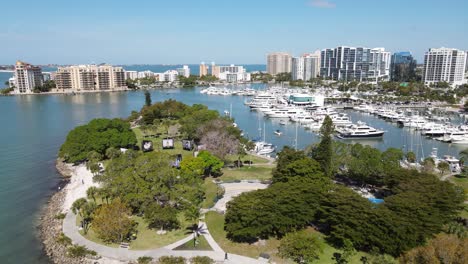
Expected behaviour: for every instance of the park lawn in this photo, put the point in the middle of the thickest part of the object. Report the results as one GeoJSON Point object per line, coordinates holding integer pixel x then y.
{"type": "Point", "coordinates": [215, 223]}
{"type": "Point", "coordinates": [157, 144]}
{"type": "Point", "coordinates": [146, 238]}
{"type": "Point", "coordinates": [247, 173]}
{"type": "Point", "coordinates": [253, 158]}
{"type": "Point", "coordinates": [202, 245]}
{"type": "Point", "coordinates": [211, 190]}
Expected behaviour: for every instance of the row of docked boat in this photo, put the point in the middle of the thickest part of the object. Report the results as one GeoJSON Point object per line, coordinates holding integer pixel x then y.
{"type": "Point", "coordinates": [436, 127]}
{"type": "Point", "coordinates": [226, 91]}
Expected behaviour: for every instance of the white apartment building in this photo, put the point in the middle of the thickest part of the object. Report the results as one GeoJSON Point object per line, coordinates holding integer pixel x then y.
{"type": "Point", "coordinates": [184, 71]}
{"type": "Point", "coordinates": [231, 73]}
{"type": "Point", "coordinates": [27, 77]}
{"type": "Point", "coordinates": [203, 69]}
{"type": "Point", "coordinates": [305, 67]}
{"type": "Point", "coordinates": [167, 76]}
{"type": "Point", "coordinates": [90, 77]}
{"type": "Point", "coordinates": [444, 65]}
{"type": "Point", "coordinates": [145, 74]}
{"type": "Point", "coordinates": [278, 62]}
{"type": "Point", "coordinates": [131, 75]}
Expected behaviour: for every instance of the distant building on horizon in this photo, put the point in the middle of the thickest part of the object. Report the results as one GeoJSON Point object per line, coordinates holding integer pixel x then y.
{"type": "Point", "coordinates": [278, 62]}
{"type": "Point", "coordinates": [131, 75]}
{"type": "Point", "coordinates": [89, 77]}
{"type": "Point", "coordinates": [184, 71]}
{"type": "Point", "coordinates": [444, 65]}
{"type": "Point", "coordinates": [27, 77]}
{"type": "Point", "coordinates": [203, 69]}
{"type": "Point", "coordinates": [167, 76]}
{"type": "Point", "coordinates": [231, 73]}
{"type": "Point", "coordinates": [355, 64]}
{"type": "Point", "coordinates": [403, 67]}
{"type": "Point", "coordinates": [305, 67]}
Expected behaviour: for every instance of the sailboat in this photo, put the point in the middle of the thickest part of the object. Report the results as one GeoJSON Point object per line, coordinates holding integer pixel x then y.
{"type": "Point", "coordinates": [262, 147]}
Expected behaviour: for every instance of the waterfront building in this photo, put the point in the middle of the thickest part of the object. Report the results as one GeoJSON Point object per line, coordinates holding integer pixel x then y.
{"type": "Point", "coordinates": [184, 71]}
{"type": "Point", "coordinates": [90, 77]}
{"type": "Point", "coordinates": [306, 99]}
{"type": "Point", "coordinates": [232, 73]}
{"type": "Point", "coordinates": [203, 69]}
{"type": "Point", "coordinates": [145, 74]}
{"type": "Point", "coordinates": [167, 76]}
{"type": "Point", "coordinates": [27, 77]}
{"type": "Point", "coordinates": [305, 67]}
{"type": "Point", "coordinates": [215, 70]}
{"type": "Point", "coordinates": [355, 64]}
{"type": "Point", "coordinates": [444, 65]}
{"type": "Point", "coordinates": [278, 62]}
{"type": "Point", "coordinates": [403, 67]}
{"type": "Point", "coordinates": [131, 75]}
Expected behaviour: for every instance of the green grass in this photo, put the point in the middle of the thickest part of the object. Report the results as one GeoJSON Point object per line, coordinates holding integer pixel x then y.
{"type": "Point", "coordinates": [247, 173]}
{"type": "Point", "coordinates": [252, 158]}
{"type": "Point", "coordinates": [215, 222]}
{"type": "Point", "coordinates": [157, 144]}
{"type": "Point", "coordinates": [202, 245]}
{"type": "Point", "coordinates": [146, 238]}
{"type": "Point", "coordinates": [211, 190]}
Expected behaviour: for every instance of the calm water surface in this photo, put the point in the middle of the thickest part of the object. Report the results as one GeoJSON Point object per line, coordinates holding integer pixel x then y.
{"type": "Point", "coordinates": [34, 127]}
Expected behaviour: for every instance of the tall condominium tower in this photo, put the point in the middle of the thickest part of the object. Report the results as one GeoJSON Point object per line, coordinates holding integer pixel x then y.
{"type": "Point", "coordinates": [444, 65]}
{"type": "Point", "coordinates": [278, 62]}
{"type": "Point", "coordinates": [90, 77]}
{"type": "Point", "coordinates": [403, 67]}
{"type": "Point", "coordinates": [203, 69]}
{"type": "Point", "coordinates": [27, 77]}
{"type": "Point", "coordinates": [305, 67]}
{"type": "Point", "coordinates": [355, 64]}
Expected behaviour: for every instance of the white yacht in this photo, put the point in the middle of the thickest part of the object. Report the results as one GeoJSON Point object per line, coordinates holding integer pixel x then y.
{"type": "Point", "coordinates": [433, 130]}
{"type": "Point", "coordinates": [359, 130]}
{"type": "Point", "coordinates": [264, 148]}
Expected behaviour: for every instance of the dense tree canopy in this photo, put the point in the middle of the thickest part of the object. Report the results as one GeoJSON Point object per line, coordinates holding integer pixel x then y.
{"type": "Point", "coordinates": [98, 135]}
{"type": "Point", "coordinates": [112, 222]}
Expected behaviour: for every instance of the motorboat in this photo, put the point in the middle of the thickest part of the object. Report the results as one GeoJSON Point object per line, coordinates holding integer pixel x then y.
{"type": "Point", "coordinates": [264, 148]}
{"type": "Point", "coordinates": [278, 132]}
{"type": "Point", "coordinates": [359, 130]}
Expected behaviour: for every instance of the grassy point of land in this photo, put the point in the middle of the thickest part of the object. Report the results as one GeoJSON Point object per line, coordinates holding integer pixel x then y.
{"type": "Point", "coordinates": [202, 245]}
{"type": "Point", "coordinates": [146, 238]}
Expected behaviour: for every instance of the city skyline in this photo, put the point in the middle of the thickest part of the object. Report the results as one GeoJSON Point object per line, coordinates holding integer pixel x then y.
{"type": "Point", "coordinates": [240, 33]}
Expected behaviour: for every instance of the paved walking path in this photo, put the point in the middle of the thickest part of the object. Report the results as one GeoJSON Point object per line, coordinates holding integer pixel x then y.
{"type": "Point", "coordinates": [70, 229]}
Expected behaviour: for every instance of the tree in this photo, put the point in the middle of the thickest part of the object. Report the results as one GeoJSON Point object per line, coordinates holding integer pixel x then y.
{"type": "Point", "coordinates": [442, 249]}
{"type": "Point", "coordinates": [212, 164]}
{"type": "Point", "coordinates": [147, 98]}
{"type": "Point", "coordinates": [411, 157]}
{"type": "Point", "coordinates": [98, 135]}
{"type": "Point", "coordinates": [112, 153]}
{"type": "Point", "coordinates": [428, 165]}
{"type": "Point", "coordinates": [443, 167]}
{"type": "Point", "coordinates": [302, 247]}
{"type": "Point", "coordinates": [161, 217]}
{"type": "Point", "coordinates": [324, 151]}
{"type": "Point", "coordinates": [217, 138]}
{"type": "Point", "coordinates": [193, 165]}
{"type": "Point", "coordinates": [92, 192]}
{"type": "Point", "coordinates": [305, 167]}
{"type": "Point", "coordinates": [112, 222]}
{"type": "Point", "coordinates": [85, 210]}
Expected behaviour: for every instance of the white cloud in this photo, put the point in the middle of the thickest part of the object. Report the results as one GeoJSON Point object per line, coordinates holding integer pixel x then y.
{"type": "Point", "coordinates": [322, 4]}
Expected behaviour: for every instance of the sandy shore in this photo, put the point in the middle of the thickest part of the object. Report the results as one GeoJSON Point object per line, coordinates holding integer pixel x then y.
{"type": "Point", "coordinates": [81, 179]}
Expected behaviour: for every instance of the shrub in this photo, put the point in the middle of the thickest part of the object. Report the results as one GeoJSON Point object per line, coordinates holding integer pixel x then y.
{"type": "Point", "coordinates": [201, 260]}
{"type": "Point", "coordinates": [171, 260]}
{"type": "Point", "coordinates": [60, 216]}
{"type": "Point", "coordinates": [77, 251]}
{"type": "Point", "coordinates": [144, 260]}
{"type": "Point", "coordinates": [64, 240]}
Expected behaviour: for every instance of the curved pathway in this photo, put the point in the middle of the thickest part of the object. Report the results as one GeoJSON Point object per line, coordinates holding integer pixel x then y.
{"type": "Point", "coordinates": [70, 229]}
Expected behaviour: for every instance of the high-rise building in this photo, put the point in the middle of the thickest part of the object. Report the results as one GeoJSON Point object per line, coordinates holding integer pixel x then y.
{"type": "Point", "coordinates": [203, 69]}
{"type": "Point", "coordinates": [403, 67]}
{"type": "Point", "coordinates": [90, 77]}
{"type": "Point", "coordinates": [355, 64]}
{"type": "Point", "coordinates": [297, 68]}
{"type": "Point", "coordinates": [184, 71]}
{"type": "Point", "coordinates": [27, 77]}
{"type": "Point", "coordinates": [305, 67]}
{"type": "Point", "coordinates": [444, 65]}
{"type": "Point", "coordinates": [215, 70]}
{"type": "Point", "coordinates": [278, 62]}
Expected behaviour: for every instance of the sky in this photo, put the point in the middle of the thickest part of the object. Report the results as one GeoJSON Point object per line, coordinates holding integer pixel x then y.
{"type": "Point", "coordinates": [238, 31]}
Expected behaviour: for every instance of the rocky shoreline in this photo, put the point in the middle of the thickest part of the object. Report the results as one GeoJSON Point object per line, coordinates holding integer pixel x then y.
{"type": "Point", "coordinates": [51, 224]}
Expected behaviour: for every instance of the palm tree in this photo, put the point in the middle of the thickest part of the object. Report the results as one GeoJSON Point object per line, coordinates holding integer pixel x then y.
{"type": "Point", "coordinates": [92, 192]}
{"type": "Point", "coordinates": [197, 230]}
{"type": "Point", "coordinates": [464, 155]}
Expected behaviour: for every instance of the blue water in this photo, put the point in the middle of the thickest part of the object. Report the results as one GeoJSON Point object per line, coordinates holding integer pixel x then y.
{"type": "Point", "coordinates": [34, 127]}
{"type": "Point", "coordinates": [375, 200]}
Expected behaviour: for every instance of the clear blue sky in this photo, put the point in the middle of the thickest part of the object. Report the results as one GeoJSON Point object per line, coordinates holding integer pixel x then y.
{"type": "Point", "coordinates": [241, 31]}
